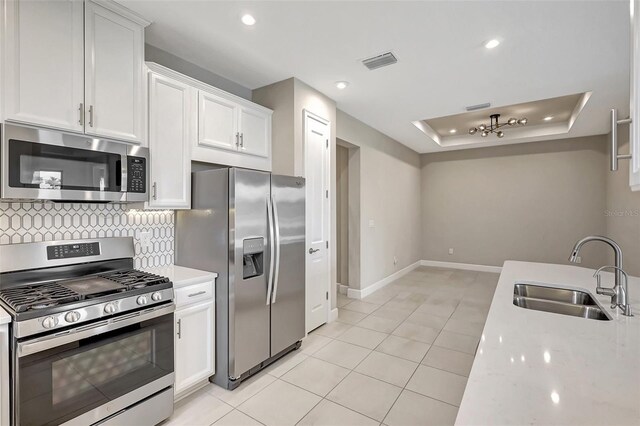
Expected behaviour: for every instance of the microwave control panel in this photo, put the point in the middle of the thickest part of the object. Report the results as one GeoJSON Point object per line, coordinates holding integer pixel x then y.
{"type": "Point", "coordinates": [65, 251]}
{"type": "Point", "coordinates": [136, 174]}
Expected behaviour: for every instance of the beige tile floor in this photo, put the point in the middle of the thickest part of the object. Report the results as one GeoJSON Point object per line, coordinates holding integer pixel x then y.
{"type": "Point", "coordinates": [401, 356]}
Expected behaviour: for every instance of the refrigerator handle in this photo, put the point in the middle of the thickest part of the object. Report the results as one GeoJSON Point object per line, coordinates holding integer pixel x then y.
{"type": "Point", "coordinates": [276, 226]}
{"type": "Point", "coordinates": [271, 248]}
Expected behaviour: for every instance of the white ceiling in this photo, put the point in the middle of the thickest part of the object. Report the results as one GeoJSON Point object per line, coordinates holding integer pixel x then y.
{"type": "Point", "coordinates": [548, 49]}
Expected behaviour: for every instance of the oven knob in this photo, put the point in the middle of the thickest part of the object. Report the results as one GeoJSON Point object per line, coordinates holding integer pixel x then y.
{"type": "Point", "coordinates": [156, 297]}
{"type": "Point", "coordinates": [142, 300]}
{"type": "Point", "coordinates": [109, 308]}
{"type": "Point", "coordinates": [72, 316]}
{"type": "Point", "coordinates": [49, 322]}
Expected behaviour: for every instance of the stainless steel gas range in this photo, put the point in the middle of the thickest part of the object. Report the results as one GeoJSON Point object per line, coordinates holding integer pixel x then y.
{"type": "Point", "coordinates": [91, 337]}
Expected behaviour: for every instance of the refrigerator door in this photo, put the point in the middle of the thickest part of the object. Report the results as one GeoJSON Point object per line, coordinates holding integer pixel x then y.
{"type": "Point", "coordinates": [249, 193]}
{"type": "Point", "coordinates": [288, 293]}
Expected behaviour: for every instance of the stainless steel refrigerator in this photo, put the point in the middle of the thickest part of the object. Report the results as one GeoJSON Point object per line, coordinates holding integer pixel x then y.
{"type": "Point", "coordinates": [249, 227]}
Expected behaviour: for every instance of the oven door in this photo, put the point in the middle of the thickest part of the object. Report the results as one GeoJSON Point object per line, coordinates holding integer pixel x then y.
{"type": "Point", "coordinates": [93, 372]}
{"type": "Point", "coordinates": [40, 164]}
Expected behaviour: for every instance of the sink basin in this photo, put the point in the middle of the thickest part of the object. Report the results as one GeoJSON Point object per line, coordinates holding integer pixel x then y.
{"type": "Point", "coordinates": [574, 297]}
{"type": "Point", "coordinates": [582, 311]}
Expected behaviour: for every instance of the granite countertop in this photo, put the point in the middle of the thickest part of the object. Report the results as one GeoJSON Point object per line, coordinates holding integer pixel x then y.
{"type": "Point", "coordinates": [535, 367]}
{"type": "Point", "coordinates": [181, 276]}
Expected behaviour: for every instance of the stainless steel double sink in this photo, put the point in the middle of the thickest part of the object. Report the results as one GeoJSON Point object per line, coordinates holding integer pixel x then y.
{"type": "Point", "coordinates": [558, 301]}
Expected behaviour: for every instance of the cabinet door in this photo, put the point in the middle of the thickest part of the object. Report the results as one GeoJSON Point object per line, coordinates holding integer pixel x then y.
{"type": "Point", "coordinates": [634, 135]}
{"type": "Point", "coordinates": [44, 63]}
{"type": "Point", "coordinates": [114, 75]}
{"type": "Point", "coordinates": [171, 127]}
{"type": "Point", "coordinates": [194, 345]}
{"type": "Point", "coordinates": [255, 132]}
{"type": "Point", "coordinates": [218, 122]}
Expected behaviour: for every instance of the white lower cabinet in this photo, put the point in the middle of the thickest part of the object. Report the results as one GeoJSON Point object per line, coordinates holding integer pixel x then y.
{"type": "Point", "coordinates": [194, 337]}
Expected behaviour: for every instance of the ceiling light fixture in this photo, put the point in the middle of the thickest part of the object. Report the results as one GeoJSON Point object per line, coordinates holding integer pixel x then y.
{"type": "Point", "coordinates": [549, 118]}
{"type": "Point", "coordinates": [495, 126]}
{"type": "Point", "coordinates": [452, 131]}
{"type": "Point", "coordinates": [492, 44]}
{"type": "Point", "coordinates": [342, 84]}
{"type": "Point", "coordinates": [248, 20]}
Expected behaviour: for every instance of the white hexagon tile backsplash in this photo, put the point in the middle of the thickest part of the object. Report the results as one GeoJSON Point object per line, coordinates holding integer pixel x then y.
{"type": "Point", "coordinates": [31, 222]}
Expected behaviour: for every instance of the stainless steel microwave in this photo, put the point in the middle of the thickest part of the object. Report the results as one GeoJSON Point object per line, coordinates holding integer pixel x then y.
{"type": "Point", "coordinates": [39, 164]}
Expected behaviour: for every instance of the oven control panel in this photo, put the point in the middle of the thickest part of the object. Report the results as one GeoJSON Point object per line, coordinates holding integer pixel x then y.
{"type": "Point", "coordinates": [136, 174]}
{"type": "Point", "coordinates": [66, 251]}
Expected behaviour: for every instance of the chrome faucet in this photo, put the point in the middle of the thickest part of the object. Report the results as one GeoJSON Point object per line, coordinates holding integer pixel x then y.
{"type": "Point", "coordinates": [619, 294]}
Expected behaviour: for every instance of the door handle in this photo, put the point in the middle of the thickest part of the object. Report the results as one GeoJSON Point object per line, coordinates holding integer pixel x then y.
{"type": "Point", "coordinates": [242, 140]}
{"type": "Point", "coordinates": [614, 140]}
{"type": "Point", "coordinates": [90, 115]}
{"type": "Point", "coordinates": [155, 190]}
{"type": "Point", "coordinates": [81, 119]}
{"type": "Point", "coordinates": [276, 226]}
{"type": "Point", "coordinates": [311, 251]}
{"type": "Point", "coordinates": [272, 249]}
{"type": "Point", "coordinates": [237, 138]}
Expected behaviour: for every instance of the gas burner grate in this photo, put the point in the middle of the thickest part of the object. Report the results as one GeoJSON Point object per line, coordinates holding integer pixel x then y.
{"type": "Point", "coordinates": [40, 296]}
{"type": "Point", "coordinates": [133, 278]}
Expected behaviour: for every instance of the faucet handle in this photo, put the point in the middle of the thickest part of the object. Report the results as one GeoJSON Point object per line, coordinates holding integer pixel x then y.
{"type": "Point", "coordinates": [605, 290]}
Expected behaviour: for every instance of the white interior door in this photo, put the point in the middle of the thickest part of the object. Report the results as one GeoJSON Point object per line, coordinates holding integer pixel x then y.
{"type": "Point", "coordinates": [316, 146]}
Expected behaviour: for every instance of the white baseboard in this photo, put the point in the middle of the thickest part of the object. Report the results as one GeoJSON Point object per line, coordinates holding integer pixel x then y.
{"type": "Point", "coordinates": [333, 315]}
{"type": "Point", "coordinates": [465, 266]}
{"type": "Point", "coordinates": [362, 293]}
{"type": "Point", "coordinates": [343, 289]}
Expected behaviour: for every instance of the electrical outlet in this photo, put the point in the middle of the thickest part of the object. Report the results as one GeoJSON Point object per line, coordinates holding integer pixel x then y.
{"type": "Point", "coordinates": [395, 260]}
{"type": "Point", "coordinates": [450, 251]}
{"type": "Point", "coordinates": [145, 239]}
{"type": "Point", "coordinates": [372, 223]}
{"type": "Point", "coordinates": [578, 259]}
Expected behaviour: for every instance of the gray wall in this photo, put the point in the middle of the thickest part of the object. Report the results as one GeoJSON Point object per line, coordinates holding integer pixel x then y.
{"type": "Point", "coordinates": [389, 195]}
{"type": "Point", "coordinates": [169, 60]}
{"type": "Point", "coordinates": [518, 202]}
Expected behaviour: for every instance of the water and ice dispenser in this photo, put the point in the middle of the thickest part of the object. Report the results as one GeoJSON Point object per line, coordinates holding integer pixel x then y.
{"type": "Point", "coordinates": [252, 257]}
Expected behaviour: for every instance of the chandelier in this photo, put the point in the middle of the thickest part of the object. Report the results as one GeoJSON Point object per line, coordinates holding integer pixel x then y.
{"type": "Point", "coordinates": [495, 126]}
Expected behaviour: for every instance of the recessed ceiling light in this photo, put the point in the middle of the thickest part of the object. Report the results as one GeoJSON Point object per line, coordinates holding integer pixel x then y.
{"type": "Point", "coordinates": [452, 131]}
{"type": "Point", "coordinates": [492, 43]}
{"type": "Point", "coordinates": [549, 118]}
{"type": "Point", "coordinates": [342, 84]}
{"type": "Point", "coordinates": [248, 20]}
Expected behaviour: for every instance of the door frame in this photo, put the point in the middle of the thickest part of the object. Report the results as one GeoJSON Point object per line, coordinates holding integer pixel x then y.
{"type": "Point", "coordinates": [306, 114]}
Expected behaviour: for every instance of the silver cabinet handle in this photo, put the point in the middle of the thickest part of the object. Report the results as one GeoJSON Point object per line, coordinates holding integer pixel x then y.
{"type": "Point", "coordinates": [311, 251]}
{"type": "Point", "coordinates": [272, 256]}
{"type": "Point", "coordinates": [614, 140]}
{"type": "Point", "coordinates": [276, 227]}
{"type": "Point", "coordinates": [237, 138]}
{"type": "Point", "coordinates": [197, 293]}
{"type": "Point", "coordinates": [179, 328]}
{"type": "Point", "coordinates": [90, 115]}
{"type": "Point", "coordinates": [81, 110]}
{"type": "Point", "coordinates": [155, 190]}
{"type": "Point", "coordinates": [242, 140]}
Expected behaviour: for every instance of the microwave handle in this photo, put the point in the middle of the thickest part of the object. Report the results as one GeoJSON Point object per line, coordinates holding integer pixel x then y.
{"type": "Point", "coordinates": [123, 172]}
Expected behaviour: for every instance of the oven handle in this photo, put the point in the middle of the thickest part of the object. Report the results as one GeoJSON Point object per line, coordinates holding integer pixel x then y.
{"type": "Point", "coordinates": [43, 343]}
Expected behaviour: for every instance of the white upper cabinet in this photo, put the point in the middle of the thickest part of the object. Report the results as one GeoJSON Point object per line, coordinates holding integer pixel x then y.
{"type": "Point", "coordinates": [634, 141]}
{"type": "Point", "coordinates": [218, 122]}
{"type": "Point", "coordinates": [44, 73]}
{"type": "Point", "coordinates": [75, 66]}
{"type": "Point", "coordinates": [114, 75]}
{"type": "Point", "coordinates": [172, 124]}
{"type": "Point", "coordinates": [255, 132]}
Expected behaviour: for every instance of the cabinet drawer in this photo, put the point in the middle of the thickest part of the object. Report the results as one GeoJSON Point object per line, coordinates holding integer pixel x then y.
{"type": "Point", "coordinates": [194, 293]}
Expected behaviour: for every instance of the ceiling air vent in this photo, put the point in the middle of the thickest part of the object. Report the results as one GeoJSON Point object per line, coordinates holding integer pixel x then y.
{"type": "Point", "coordinates": [477, 107]}
{"type": "Point", "coordinates": [380, 61]}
